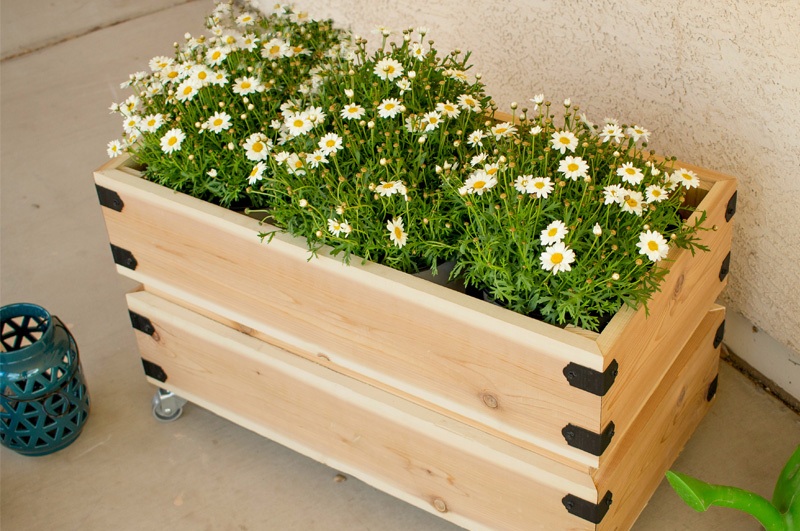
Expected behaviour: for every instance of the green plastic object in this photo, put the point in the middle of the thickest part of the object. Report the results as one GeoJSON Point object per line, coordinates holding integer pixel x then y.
{"type": "Point", "coordinates": [781, 514]}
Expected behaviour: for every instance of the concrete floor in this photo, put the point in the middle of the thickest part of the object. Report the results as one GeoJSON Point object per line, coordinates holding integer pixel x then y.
{"type": "Point", "coordinates": [127, 471]}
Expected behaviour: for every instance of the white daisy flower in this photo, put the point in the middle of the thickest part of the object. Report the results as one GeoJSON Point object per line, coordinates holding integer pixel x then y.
{"type": "Point", "coordinates": [611, 131]}
{"type": "Point", "coordinates": [630, 174]}
{"type": "Point", "coordinates": [281, 157]}
{"type": "Point", "coordinates": [316, 158]}
{"type": "Point", "coordinates": [257, 173]}
{"type": "Point", "coordinates": [538, 99]}
{"type": "Point", "coordinates": [541, 187]}
{"type": "Point", "coordinates": [418, 51]}
{"type": "Point", "coordinates": [655, 194]}
{"type": "Point", "coordinates": [397, 232]}
{"type": "Point", "coordinates": [502, 130]}
{"type": "Point", "coordinates": [388, 68]}
{"type": "Point", "coordinates": [573, 167]}
{"type": "Point", "coordinates": [404, 85]}
{"type": "Point", "coordinates": [114, 148]}
{"type": "Point", "coordinates": [212, 173]}
{"type": "Point", "coordinates": [387, 188]}
{"type": "Point", "coordinates": [298, 123]}
{"type": "Point", "coordinates": [187, 90]}
{"type": "Point", "coordinates": [171, 74]}
{"type": "Point", "coordinates": [172, 140]}
{"type": "Point", "coordinates": [475, 138]}
{"type": "Point", "coordinates": [491, 169]}
{"type": "Point", "coordinates": [637, 132]}
{"type": "Point", "coordinates": [217, 54]}
{"type": "Point", "coordinates": [613, 194]}
{"type": "Point", "coordinates": [557, 258]}
{"type": "Point", "coordinates": [687, 178]}
{"type": "Point", "coordinates": [553, 233]}
{"type": "Point", "coordinates": [478, 182]}
{"type": "Point", "coordinates": [247, 85]}
{"type": "Point", "coordinates": [160, 62]}
{"type": "Point", "coordinates": [248, 41]}
{"type": "Point", "coordinates": [295, 165]}
{"type": "Point", "coordinates": [151, 123]}
{"type": "Point", "coordinates": [448, 109]}
{"type": "Point", "coordinates": [130, 105]}
{"type": "Point", "coordinates": [477, 159]}
{"type": "Point", "coordinates": [301, 17]}
{"type": "Point", "coordinates": [535, 130]}
{"type": "Point", "coordinates": [346, 228]}
{"type": "Point", "coordinates": [563, 141]}
{"type": "Point", "coordinates": [257, 146]}
{"type": "Point", "coordinates": [633, 202]}
{"type": "Point", "coordinates": [275, 49]}
{"type": "Point", "coordinates": [330, 143]}
{"type": "Point", "coordinates": [315, 114]}
{"type": "Point", "coordinates": [390, 107]}
{"type": "Point", "coordinates": [432, 120]}
{"type": "Point", "coordinates": [335, 227]}
{"type": "Point", "coordinates": [218, 78]}
{"type": "Point", "coordinates": [201, 74]}
{"type": "Point", "coordinates": [131, 123]}
{"type": "Point", "coordinates": [586, 121]}
{"type": "Point", "coordinates": [597, 230]}
{"type": "Point", "coordinates": [523, 184]}
{"type": "Point", "coordinates": [653, 245]}
{"type": "Point", "coordinates": [218, 122]}
{"type": "Point", "coordinates": [468, 103]}
{"type": "Point", "coordinates": [351, 111]}
{"type": "Point", "coordinates": [245, 19]}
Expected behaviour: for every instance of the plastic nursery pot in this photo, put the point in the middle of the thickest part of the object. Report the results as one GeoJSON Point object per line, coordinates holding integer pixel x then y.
{"type": "Point", "coordinates": [44, 402]}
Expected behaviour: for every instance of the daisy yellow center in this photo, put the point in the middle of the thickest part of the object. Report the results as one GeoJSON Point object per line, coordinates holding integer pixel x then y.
{"type": "Point", "coordinates": [352, 110]}
{"type": "Point", "coordinates": [539, 185]}
{"type": "Point", "coordinates": [564, 140]}
{"type": "Point", "coordinates": [433, 120]}
{"type": "Point", "coordinates": [389, 106]}
{"type": "Point", "coordinates": [501, 130]}
{"type": "Point", "coordinates": [202, 74]}
{"type": "Point", "coordinates": [172, 141]}
{"type": "Point", "coordinates": [151, 123]}
{"type": "Point", "coordinates": [216, 55]}
{"type": "Point", "coordinates": [131, 123]}
{"type": "Point", "coordinates": [686, 176]}
{"type": "Point", "coordinates": [552, 232]}
{"type": "Point", "coordinates": [630, 171]}
{"type": "Point", "coordinates": [557, 258]}
{"type": "Point", "coordinates": [257, 147]}
{"type": "Point", "coordinates": [330, 143]}
{"type": "Point", "coordinates": [275, 49]}
{"type": "Point", "coordinates": [389, 69]}
{"type": "Point", "coordinates": [298, 164]}
{"type": "Point", "coordinates": [246, 84]}
{"type": "Point", "coordinates": [656, 193]}
{"type": "Point", "coordinates": [632, 202]}
{"type": "Point", "coordinates": [479, 184]}
{"type": "Point", "coordinates": [572, 166]}
{"type": "Point", "coordinates": [298, 123]}
{"type": "Point", "coordinates": [173, 74]}
{"type": "Point", "coordinates": [254, 172]}
{"type": "Point", "coordinates": [387, 186]}
{"type": "Point", "coordinates": [653, 246]}
{"type": "Point", "coordinates": [491, 171]}
{"type": "Point", "coordinates": [470, 102]}
{"type": "Point", "coordinates": [187, 90]}
{"type": "Point", "coordinates": [398, 233]}
{"type": "Point", "coordinates": [297, 49]}
{"type": "Point", "coordinates": [449, 108]}
{"type": "Point", "coordinates": [218, 122]}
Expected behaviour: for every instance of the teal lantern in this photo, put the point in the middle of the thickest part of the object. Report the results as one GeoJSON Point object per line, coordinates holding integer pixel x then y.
{"type": "Point", "coordinates": [44, 402]}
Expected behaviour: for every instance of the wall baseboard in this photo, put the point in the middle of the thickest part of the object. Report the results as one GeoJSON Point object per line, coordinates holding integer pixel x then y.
{"type": "Point", "coordinates": [764, 359]}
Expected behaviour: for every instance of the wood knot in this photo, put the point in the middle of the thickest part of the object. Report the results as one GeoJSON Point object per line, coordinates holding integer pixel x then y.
{"type": "Point", "coordinates": [439, 505]}
{"type": "Point", "coordinates": [490, 400]}
{"type": "Point", "coordinates": [678, 286]}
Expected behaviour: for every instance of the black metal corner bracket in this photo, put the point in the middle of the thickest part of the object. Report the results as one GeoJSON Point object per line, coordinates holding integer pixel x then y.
{"type": "Point", "coordinates": [123, 257]}
{"type": "Point", "coordinates": [593, 512]}
{"type": "Point", "coordinates": [154, 371]}
{"type": "Point", "coordinates": [595, 382]}
{"type": "Point", "coordinates": [726, 266]}
{"type": "Point", "coordinates": [712, 388]}
{"type": "Point", "coordinates": [588, 441]}
{"type": "Point", "coordinates": [109, 198]}
{"type": "Point", "coordinates": [141, 323]}
{"type": "Point", "coordinates": [720, 335]}
{"type": "Point", "coordinates": [730, 210]}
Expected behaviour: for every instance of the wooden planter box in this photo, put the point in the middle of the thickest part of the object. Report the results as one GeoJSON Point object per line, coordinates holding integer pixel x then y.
{"type": "Point", "coordinates": [395, 380]}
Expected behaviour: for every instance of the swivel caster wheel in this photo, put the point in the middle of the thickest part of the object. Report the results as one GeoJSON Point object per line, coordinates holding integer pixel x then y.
{"type": "Point", "coordinates": [167, 406]}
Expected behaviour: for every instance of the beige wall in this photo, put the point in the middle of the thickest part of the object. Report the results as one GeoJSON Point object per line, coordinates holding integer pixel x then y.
{"type": "Point", "coordinates": [716, 81]}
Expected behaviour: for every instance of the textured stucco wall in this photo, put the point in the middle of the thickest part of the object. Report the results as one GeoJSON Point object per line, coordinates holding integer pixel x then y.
{"type": "Point", "coordinates": [717, 82]}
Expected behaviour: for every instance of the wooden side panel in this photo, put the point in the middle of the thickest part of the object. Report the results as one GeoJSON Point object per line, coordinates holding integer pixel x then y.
{"type": "Point", "coordinates": [635, 466]}
{"type": "Point", "coordinates": [646, 347]}
{"type": "Point", "coordinates": [442, 466]}
{"type": "Point", "coordinates": [479, 363]}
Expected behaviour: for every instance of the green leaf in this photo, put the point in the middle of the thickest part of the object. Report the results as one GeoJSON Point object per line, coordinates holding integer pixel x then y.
{"type": "Point", "coordinates": [787, 489]}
